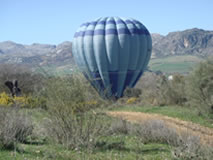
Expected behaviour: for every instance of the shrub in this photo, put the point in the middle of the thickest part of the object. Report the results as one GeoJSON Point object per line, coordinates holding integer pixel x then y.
{"type": "Point", "coordinates": [200, 87]}
{"type": "Point", "coordinates": [153, 89]}
{"type": "Point", "coordinates": [70, 101]}
{"type": "Point", "coordinates": [15, 126]}
{"type": "Point", "coordinates": [76, 132]}
{"type": "Point", "coordinates": [158, 90]}
{"type": "Point", "coordinates": [119, 126]}
{"type": "Point", "coordinates": [177, 90]}
{"type": "Point", "coordinates": [191, 148]}
{"type": "Point", "coordinates": [23, 101]}
{"type": "Point", "coordinates": [156, 131]}
{"type": "Point", "coordinates": [132, 92]}
{"type": "Point", "coordinates": [72, 92]}
{"type": "Point", "coordinates": [5, 99]}
{"type": "Point", "coordinates": [183, 145]}
{"type": "Point", "coordinates": [131, 100]}
{"type": "Point", "coordinates": [147, 132]}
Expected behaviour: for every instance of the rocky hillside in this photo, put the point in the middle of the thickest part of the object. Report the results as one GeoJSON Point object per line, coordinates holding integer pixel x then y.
{"type": "Point", "coordinates": [191, 42]}
{"type": "Point", "coordinates": [35, 54]}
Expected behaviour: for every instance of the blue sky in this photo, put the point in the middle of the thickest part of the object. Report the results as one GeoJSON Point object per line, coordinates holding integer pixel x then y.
{"type": "Point", "coordinates": [55, 21]}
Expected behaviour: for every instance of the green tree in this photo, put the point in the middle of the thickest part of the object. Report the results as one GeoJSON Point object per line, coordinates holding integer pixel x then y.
{"type": "Point", "coordinates": [200, 87]}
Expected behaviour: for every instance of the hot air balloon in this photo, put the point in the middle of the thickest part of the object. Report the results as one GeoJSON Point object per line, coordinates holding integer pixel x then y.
{"type": "Point", "coordinates": [112, 53]}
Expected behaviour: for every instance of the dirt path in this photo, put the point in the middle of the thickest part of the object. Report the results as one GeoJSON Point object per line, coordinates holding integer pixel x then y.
{"type": "Point", "coordinates": [205, 133]}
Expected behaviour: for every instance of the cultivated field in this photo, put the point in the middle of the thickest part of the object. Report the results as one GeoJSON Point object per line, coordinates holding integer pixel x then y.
{"type": "Point", "coordinates": [171, 64]}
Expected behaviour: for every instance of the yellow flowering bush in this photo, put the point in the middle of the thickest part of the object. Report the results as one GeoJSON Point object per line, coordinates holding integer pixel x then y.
{"type": "Point", "coordinates": [23, 101]}
{"type": "Point", "coordinates": [5, 99]}
{"type": "Point", "coordinates": [93, 102]}
{"type": "Point", "coordinates": [131, 100]}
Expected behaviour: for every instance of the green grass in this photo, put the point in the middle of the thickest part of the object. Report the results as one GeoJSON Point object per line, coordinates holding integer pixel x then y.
{"type": "Point", "coordinates": [170, 64]}
{"type": "Point", "coordinates": [183, 113]}
{"type": "Point", "coordinates": [131, 149]}
{"type": "Point", "coordinates": [180, 67]}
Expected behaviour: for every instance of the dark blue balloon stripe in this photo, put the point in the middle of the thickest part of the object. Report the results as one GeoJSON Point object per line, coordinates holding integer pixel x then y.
{"type": "Point", "coordinates": [138, 77]}
{"type": "Point", "coordinates": [127, 31]}
{"type": "Point", "coordinates": [113, 77]}
{"type": "Point", "coordinates": [129, 77]}
{"type": "Point", "coordinates": [111, 31]}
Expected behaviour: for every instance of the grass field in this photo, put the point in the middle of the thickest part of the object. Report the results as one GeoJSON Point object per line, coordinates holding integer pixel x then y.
{"type": "Point", "coordinates": [171, 64]}
{"type": "Point", "coordinates": [130, 150]}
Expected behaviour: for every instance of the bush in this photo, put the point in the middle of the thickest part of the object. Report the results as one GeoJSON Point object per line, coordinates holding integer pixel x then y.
{"type": "Point", "coordinates": [132, 92]}
{"type": "Point", "coordinates": [131, 100]}
{"type": "Point", "coordinates": [70, 101]}
{"type": "Point", "coordinates": [148, 85]}
{"type": "Point", "coordinates": [176, 93]}
{"type": "Point", "coordinates": [200, 87]}
{"type": "Point", "coordinates": [158, 90]}
{"type": "Point", "coordinates": [191, 148]}
{"type": "Point", "coordinates": [76, 132]}
{"type": "Point", "coordinates": [5, 100]}
{"type": "Point", "coordinates": [15, 126]}
{"type": "Point", "coordinates": [72, 92]}
{"type": "Point", "coordinates": [147, 132]}
{"type": "Point", "coordinates": [156, 131]}
{"type": "Point", "coordinates": [196, 89]}
{"type": "Point", "coordinates": [23, 101]}
{"type": "Point", "coordinates": [183, 145]}
{"type": "Point", "coordinates": [119, 126]}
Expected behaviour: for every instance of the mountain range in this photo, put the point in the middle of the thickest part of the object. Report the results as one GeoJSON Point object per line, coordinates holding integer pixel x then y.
{"type": "Point", "coordinates": [194, 41]}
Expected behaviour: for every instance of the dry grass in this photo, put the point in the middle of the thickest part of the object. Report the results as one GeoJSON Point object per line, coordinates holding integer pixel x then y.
{"type": "Point", "coordinates": [188, 141]}
{"type": "Point", "coordinates": [205, 133]}
{"type": "Point", "coordinates": [15, 127]}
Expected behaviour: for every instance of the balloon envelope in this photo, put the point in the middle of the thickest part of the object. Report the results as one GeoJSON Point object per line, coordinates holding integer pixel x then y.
{"type": "Point", "coordinates": [112, 53]}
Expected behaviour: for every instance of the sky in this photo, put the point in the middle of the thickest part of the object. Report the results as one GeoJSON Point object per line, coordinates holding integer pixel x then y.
{"type": "Point", "coordinates": [55, 21]}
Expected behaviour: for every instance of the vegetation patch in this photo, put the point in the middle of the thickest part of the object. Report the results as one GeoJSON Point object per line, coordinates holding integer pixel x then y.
{"type": "Point", "coordinates": [72, 124]}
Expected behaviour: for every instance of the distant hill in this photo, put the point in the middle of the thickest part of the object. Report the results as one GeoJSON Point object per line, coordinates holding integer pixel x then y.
{"type": "Point", "coordinates": [191, 42]}
{"type": "Point", "coordinates": [194, 41]}
{"type": "Point", "coordinates": [35, 54]}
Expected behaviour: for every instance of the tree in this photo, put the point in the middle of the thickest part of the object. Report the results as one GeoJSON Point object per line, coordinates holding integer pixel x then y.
{"type": "Point", "coordinates": [200, 86]}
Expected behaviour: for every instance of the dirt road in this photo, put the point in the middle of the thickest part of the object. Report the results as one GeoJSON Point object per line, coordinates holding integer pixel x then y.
{"type": "Point", "coordinates": [205, 133]}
